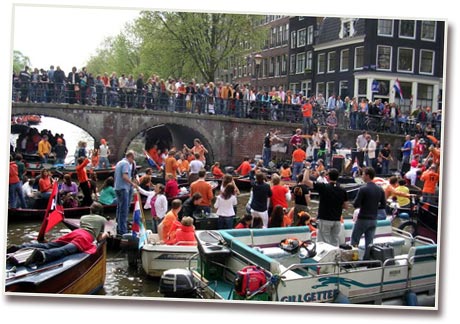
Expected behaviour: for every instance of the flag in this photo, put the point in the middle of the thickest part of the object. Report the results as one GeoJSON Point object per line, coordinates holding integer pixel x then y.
{"type": "Point", "coordinates": [54, 213]}
{"type": "Point", "coordinates": [398, 89]}
{"type": "Point", "coordinates": [138, 227]}
{"type": "Point", "coordinates": [150, 161]}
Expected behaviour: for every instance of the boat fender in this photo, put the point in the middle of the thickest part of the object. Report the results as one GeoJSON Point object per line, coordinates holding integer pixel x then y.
{"type": "Point", "coordinates": [249, 279]}
{"type": "Point", "coordinates": [340, 298]}
{"type": "Point", "coordinates": [290, 245]}
{"type": "Point", "coordinates": [411, 298]}
{"type": "Point", "coordinates": [404, 216]}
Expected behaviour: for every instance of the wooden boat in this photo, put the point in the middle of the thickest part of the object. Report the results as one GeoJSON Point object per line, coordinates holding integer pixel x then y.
{"type": "Point", "coordinates": [401, 265]}
{"type": "Point", "coordinates": [16, 215]}
{"type": "Point", "coordinates": [33, 169]}
{"type": "Point", "coordinates": [79, 273]}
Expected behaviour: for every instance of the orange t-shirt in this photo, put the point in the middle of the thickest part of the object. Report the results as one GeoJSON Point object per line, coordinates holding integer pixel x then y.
{"type": "Point", "coordinates": [169, 226]}
{"type": "Point", "coordinates": [171, 166]}
{"type": "Point", "coordinates": [81, 171]}
{"type": "Point", "coordinates": [299, 155]}
{"type": "Point", "coordinates": [285, 173]}
{"type": "Point", "coordinates": [279, 196]}
{"type": "Point", "coordinates": [184, 166]}
{"type": "Point", "coordinates": [205, 189]}
{"type": "Point", "coordinates": [217, 172]}
{"type": "Point", "coordinates": [430, 179]}
{"type": "Point", "coordinates": [307, 110]}
{"type": "Point", "coordinates": [244, 168]}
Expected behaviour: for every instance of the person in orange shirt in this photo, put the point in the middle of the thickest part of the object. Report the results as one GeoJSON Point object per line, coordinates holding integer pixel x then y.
{"type": "Point", "coordinates": [167, 228]}
{"type": "Point", "coordinates": [285, 172]}
{"type": "Point", "coordinates": [278, 217]}
{"type": "Point", "coordinates": [83, 180]}
{"type": "Point", "coordinates": [298, 157]}
{"type": "Point", "coordinates": [205, 189]}
{"type": "Point", "coordinates": [216, 171]}
{"type": "Point", "coordinates": [183, 165]}
{"type": "Point", "coordinates": [307, 113]}
{"type": "Point", "coordinates": [171, 164]}
{"type": "Point", "coordinates": [244, 168]}
{"type": "Point", "coordinates": [435, 154]}
{"type": "Point", "coordinates": [430, 180]}
{"type": "Point", "coordinates": [153, 152]}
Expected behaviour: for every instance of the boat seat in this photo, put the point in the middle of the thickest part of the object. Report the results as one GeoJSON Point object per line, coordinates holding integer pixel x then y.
{"type": "Point", "coordinates": [383, 229]}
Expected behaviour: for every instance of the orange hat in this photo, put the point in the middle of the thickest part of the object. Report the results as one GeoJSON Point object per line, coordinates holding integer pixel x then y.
{"type": "Point", "coordinates": [103, 142]}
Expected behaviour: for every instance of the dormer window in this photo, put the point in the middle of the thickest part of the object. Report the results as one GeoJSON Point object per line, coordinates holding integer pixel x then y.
{"type": "Point", "coordinates": [347, 28]}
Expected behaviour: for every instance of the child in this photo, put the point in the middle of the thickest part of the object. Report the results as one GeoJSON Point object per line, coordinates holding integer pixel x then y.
{"type": "Point", "coordinates": [245, 222]}
{"type": "Point", "coordinates": [285, 172]}
{"type": "Point", "coordinates": [185, 233]}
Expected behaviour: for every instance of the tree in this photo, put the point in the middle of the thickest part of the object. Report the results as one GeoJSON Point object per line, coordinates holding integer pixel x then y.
{"type": "Point", "coordinates": [19, 61]}
{"type": "Point", "coordinates": [199, 42]}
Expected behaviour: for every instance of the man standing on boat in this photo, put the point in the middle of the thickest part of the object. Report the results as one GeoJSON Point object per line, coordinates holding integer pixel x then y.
{"type": "Point", "coordinates": [370, 198]}
{"type": "Point", "coordinates": [332, 200]}
{"type": "Point", "coordinates": [123, 187]}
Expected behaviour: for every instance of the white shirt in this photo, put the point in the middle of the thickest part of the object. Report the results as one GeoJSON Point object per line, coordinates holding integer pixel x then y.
{"type": "Point", "coordinates": [411, 175]}
{"type": "Point", "coordinates": [225, 206]}
{"type": "Point", "coordinates": [196, 166]}
{"type": "Point", "coordinates": [371, 147]}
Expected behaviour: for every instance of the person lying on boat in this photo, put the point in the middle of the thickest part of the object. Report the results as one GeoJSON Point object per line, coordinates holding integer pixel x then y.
{"type": "Point", "coordinates": [82, 239]}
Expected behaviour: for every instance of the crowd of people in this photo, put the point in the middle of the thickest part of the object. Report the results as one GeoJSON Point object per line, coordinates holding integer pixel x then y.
{"type": "Point", "coordinates": [242, 101]}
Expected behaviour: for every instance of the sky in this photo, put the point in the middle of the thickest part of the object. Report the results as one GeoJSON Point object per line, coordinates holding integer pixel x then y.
{"type": "Point", "coordinates": [66, 44]}
{"type": "Point", "coordinates": [65, 37]}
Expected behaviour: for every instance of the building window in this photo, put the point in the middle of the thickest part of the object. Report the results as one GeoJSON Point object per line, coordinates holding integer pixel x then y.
{"type": "Point", "coordinates": [309, 60]}
{"type": "Point", "coordinates": [330, 89]}
{"type": "Point", "coordinates": [305, 87]}
{"type": "Point", "coordinates": [407, 29]}
{"type": "Point", "coordinates": [359, 58]}
{"type": "Point", "coordinates": [279, 37]}
{"type": "Point", "coordinates": [385, 27]}
{"type": "Point", "coordinates": [331, 62]}
{"type": "Point", "coordinates": [293, 87]}
{"type": "Point", "coordinates": [426, 62]}
{"type": "Point", "coordinates": [425, 94]}
{"type": "Point", "coordinates": [277, 66]}
{"type": "Point", "coordinates": [343, 89]}
{"type": "Point", "coordinates": [405, 59]}
{"type": "Point", "coordinates": [347, 28]}
{"type": "Point", "coordinates": [428, 30]}
{"type": "Point", "coordinates": [286, 34]}
{"type": "Point", "coordinates": [320, 88]}
{"type": "Point", "coordinates": [310, 35]}
{"type": "Point", "coordinates": [293, 39]}
{"type": "Point", "coordinates": [292, 64]}
{"type": "Point", "coordinates": [284, 64]}
{"type": "Point", "coordinates": [362, 88]}
{"type": "Point", "coordinates": [300, 63]}
{"type": "Point", "coordinates": [384, 57]}
{"type": "Point", "coordinates": [321, 63]}
{"type": "Point", "coordinates": [301, 38]}
{"type": "Point", "coordinates": [344, 59]}
{"type": "Point", "coordinates": [272, 66]}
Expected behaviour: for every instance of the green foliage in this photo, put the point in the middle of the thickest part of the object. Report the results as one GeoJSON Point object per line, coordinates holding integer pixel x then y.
{"type": "Point", "coordinates": [179, 44]}
{"type": "Point", "coordinates": [19, 61]}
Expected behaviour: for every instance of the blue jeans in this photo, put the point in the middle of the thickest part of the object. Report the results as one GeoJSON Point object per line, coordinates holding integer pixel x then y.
{"type": "Point", "coordinates": [103, 163]}
{"type": "Point", "coordinates": [14, 194]}
{"type": "Point", "coordinates": [366, 227]}
{"type": "Point", "coordinates": [122, 210]}
{"type": "Point", "coordinates": [54, 250]}
{"type": "Point", "coordinates": [385, 167]}
{"type": "Point", "coordinates": [296, 169]}
{"type": "Point", "coordinates": [266, 155]}
{"type": "Point", "coordinates": [225, 222]}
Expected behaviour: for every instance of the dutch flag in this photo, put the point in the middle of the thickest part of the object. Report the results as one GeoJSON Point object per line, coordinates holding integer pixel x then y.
{"type": "Point", "coordinates": [138, 228]}
{"type": "Point", "coordinates": [398, 89]}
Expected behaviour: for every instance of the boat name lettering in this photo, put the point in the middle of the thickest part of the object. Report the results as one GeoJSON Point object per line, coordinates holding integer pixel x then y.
{"type": "Point", "coordinates": [311, 296]}
{"type": "Point", "coordinates": [395, 273]}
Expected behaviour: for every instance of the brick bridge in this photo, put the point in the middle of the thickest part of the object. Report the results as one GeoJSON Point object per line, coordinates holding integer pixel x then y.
{"type": "Point", "coordinates": [227, 139]}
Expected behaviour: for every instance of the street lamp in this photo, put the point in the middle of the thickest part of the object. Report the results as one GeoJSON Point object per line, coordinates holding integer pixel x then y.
{"type": "Point", "coordinates": [257, 61]}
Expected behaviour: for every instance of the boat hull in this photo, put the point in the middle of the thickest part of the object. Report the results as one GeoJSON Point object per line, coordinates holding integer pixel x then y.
{"type": "Point", "coordinates": [80, 274]}
{"type": "Point", "coordinates": [156, 258]}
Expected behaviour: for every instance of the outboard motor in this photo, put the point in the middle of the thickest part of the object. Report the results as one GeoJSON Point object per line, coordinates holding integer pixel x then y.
{"type": "Point", "coordinates": [177, 283]}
